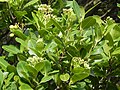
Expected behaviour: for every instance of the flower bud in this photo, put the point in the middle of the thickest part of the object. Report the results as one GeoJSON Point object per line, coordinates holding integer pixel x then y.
{"type": "Point", "coordinates": [11, 35]}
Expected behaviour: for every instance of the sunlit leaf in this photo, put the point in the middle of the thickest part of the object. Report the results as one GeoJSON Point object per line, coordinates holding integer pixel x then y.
{"type": "Point", "coordinates": [64, 77]}
{"type": "Point", "coordinates": [76, 9]}
{"type": "Point", "coordinates": [3, 63]}
{"type": "Point", "coordinates": [45, 79]}
{"type": "Point", "coordinates": [11, 49]}
{"type": "Point", "coordinates": [21, 69]}
{"type": "Point", "coordinates": [25, 87]}
{"type": "Point", "coordinates": [1, 78]}
{"type": "Point", "coordinates": [57, 25]}
{"type": "Point", "coordinates": [88, 22]}
{"type": "Point", "coordinates": [30, 3]}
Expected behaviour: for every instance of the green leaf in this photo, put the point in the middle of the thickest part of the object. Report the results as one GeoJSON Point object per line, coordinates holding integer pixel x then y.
{"type": "Point", "coordinates": [3, 63]}
{"type": "Point", "coordinates": [11, 69]}
{"type": "Point", "coordinates": [109, 28]}
{"type": "Point", "coordinates": [97, 50]}
{"type": "Point", "coordinates": [106, 47]}
{"type": "Point", "coordinates": [35, 19]}
{"type": "Point", "coordinates": [33, 51]}
{"type": "Point", "coordinates": [59, 41]}
{"type": "Point", "coordinates": [57, 25]}
{"type": "Point", "coordinates": [46, 68]}
{"type": "Point", "coordinates": [98, 33]}
{"type": "Point", "coordinates": [116, 51]}
{"type": "Point", "coordinates": [115, 32]}
{"type": "Point", "coordinates": [32, 47]}
{"type": "Point", "coordinates": [32, 71]}
{"type": "Point", "coordinates": [45, 79]}
{"type": "Point", "coordinates": [19, 33]}
{"type": "Point", "coordinates": [11, 49]}
{"type": "Point", "coordinates": [88, 22]}
{"type": "Point", "coordinates": [98, 19]}
{"type": "Point", "coordinates": [22, 42]}
{"type": "Point", "coordinates": [69, 4]}
{"type": "Point", "coordinates": [1, 79]}
{"type": "Point", "coordinates": [25, 87]}
{"type": "Point", "coordinates": [12, 86]}
{"type": "Point", "coordinates": [53, 72]}
{"type": "Point", "coordinates": [39, 66]}
{"type": "Point", "coordinates": [10, 76]}
{"type": "Point", "coordinates": [65, 77]}
{"type": "Point", "coordinates": [40, 45]}
{"type": "Point", "coordinates": [78, 70]}
{"type": "Point", "coordinates": [76, 9]}
{"type": "Point", "coordinates": [20, 14]}
{"type": "Point", "coordinates": [32, 43]}
{"type": "Point", "coordinates": [79, 76]}
{"type": "Point", "coordinates": [30, 3]}
{"type": "Point", "coordinates": [21, 69]}
{"type": "Point", "coordinates": [82, 11]}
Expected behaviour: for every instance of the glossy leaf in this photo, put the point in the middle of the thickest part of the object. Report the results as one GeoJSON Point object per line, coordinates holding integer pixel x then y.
{"type": "Point", "coordinates": [11, 69]}
{"type": "Point", "coordinates": [25, 87]}
{"type": "Point", "coordinates": [45, 79]}
{"type": "Point", "coordinates": [21, 69]}
{"type": "Point", "coordinates": [12, 86]}
{"type": "Point", "coordinates": [22, 42]}
{"type": "Point", "coordinates": [3, 63]}
{"type": "Point", "coordinates": [30, 3]}
{"type": "Point", "coordinates": [39, 66]}
{"type": "Point", "coordinates": [10, 76]}
{"type": "Point", "coordinates": [20, 14]}
{"type": "Point", "coordinates": [32, 71]}
{"type": "Point", "coordinates": [88, 22]}
{"type": "Point", "coordinates": [47, 67]}
{"type": "Point", "coordinates": [11, 49]}
{"type": "Point", "coordinates": [1, 79]}
{"type": "Point", "coordinates": [76, 9]}
{"type": "Point", "coordinates": [115, 32]}
{"type": "Point", "coordinates": [57, 25]}
{"type": "Point", "coordinates": [78, 70]}
{"type": "Point", "coordinates": [79, 76]}
{"type": "Point", "coordinates": [65, 77]}
{"type": "Point", "coordinates": [35, 19]}
{"type": "Point", "coordinates": [109, 28]}
{"type": "Point", "coordinates": [19, 33]}
{"type": "Point", "coordinates": [116, 51]}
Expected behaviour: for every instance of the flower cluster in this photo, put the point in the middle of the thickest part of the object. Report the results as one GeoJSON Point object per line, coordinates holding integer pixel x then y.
{"type": "Point", "coordinates": [46, 9]}
{"type": "Point", "coordinates": [77, 62]}
{"type": "Point", "coordinates": [34, 60]}
{"type": "Point", "coordinates": [70, 14]}
{"type": "Point", "coordinates": [46, 12]}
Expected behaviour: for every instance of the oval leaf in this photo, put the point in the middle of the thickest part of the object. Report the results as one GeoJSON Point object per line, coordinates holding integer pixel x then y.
{"type": "Point", "coordinates": [21, 69]}
{"type": "Point", "coordinates": [88, 22]}
{"type": "Point", "coordinates": [30, 3]}
{"type": "Point", "coordinates": [76, 9]}
{"type": "Point", "coordinates": [45, 79]}
{"type": "Point", "coordinates": [11, 49]}
{"type": "Point", "coordinates": [65, 77]}
{"type": "Point", "coordinates": [3, 63]}
{"type": "Point", "coordinates": [25, 87]}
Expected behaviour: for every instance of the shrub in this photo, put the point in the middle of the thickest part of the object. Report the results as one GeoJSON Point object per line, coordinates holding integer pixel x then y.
{"type": "Point", "coordinates": [62, 52]}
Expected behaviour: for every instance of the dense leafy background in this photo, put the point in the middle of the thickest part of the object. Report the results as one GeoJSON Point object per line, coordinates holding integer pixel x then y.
{"type": "Point", "coordinates": [55, 45]}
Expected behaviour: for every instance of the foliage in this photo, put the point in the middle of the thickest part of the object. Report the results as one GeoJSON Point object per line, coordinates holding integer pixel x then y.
{"type": "Point", "coordinates": [60, 50]}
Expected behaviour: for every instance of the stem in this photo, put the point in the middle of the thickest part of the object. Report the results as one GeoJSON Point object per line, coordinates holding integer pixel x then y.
{"type": "Point", "coordinates": [92, 8]}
